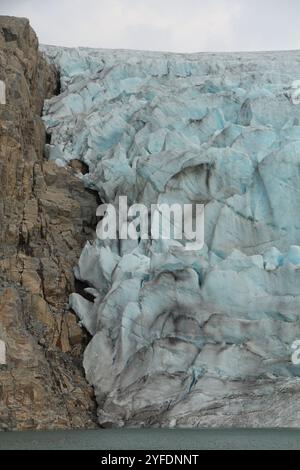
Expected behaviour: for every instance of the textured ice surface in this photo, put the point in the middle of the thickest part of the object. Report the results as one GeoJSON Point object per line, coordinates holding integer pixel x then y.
{"type": "Point", "coordinates": [189, 338]}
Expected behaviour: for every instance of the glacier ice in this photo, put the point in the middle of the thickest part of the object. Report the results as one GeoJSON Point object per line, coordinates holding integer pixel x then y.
{"type": "Point", "coordinates": [198, 338]}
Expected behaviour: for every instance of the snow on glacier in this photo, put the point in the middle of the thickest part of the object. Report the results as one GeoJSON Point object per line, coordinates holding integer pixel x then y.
{"type": "Point", "coordinates": [197, 338]}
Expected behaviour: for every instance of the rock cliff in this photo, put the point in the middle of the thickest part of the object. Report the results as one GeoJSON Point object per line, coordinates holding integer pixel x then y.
{"type": "Point", "coordinates": [46, 216]}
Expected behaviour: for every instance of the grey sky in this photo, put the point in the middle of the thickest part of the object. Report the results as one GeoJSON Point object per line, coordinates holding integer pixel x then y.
{"type": "Point", "coordinates": [174, 25]}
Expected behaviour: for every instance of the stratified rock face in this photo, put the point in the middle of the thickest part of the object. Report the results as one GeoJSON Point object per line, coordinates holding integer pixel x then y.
{"type": "Point", "coordinates": [189, 338]}
{"type": "Point", "coordinates": [45, 218]}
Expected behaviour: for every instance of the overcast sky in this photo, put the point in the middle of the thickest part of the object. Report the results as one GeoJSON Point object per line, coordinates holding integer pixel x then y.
{"type": "Point", "coordinates": [170, 25]}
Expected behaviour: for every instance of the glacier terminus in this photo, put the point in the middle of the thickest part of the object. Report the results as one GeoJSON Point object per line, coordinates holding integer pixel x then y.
{"type": "Point", "coordinates": [188, 338]}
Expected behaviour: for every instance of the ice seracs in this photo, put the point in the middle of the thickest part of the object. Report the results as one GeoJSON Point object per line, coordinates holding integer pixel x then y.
{"type": "Point", "coordinates": [198, 338]}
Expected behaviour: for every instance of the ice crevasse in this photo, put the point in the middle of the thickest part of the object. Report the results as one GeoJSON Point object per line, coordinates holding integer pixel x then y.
{"type": "Point", "coordinates": [199, 338]}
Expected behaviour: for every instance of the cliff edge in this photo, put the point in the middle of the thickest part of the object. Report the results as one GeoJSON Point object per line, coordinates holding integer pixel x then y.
{"type": "Point", "coordinates": [46, 216]}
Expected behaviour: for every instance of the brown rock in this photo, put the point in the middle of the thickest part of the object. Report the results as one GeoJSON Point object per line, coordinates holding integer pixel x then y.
{"type": "Point", "coordinates": [46, 216]}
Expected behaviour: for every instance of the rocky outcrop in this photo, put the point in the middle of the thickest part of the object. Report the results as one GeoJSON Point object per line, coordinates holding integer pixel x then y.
{"type": "Point", "coordinates": [46, 216]}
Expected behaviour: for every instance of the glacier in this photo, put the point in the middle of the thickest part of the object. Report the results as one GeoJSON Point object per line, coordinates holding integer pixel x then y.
{"type": "Point", "coordinates": [200, 338]}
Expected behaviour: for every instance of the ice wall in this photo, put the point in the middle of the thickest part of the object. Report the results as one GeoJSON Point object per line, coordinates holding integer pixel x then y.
{"type": "Point", "coordinates": [189, 338]}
